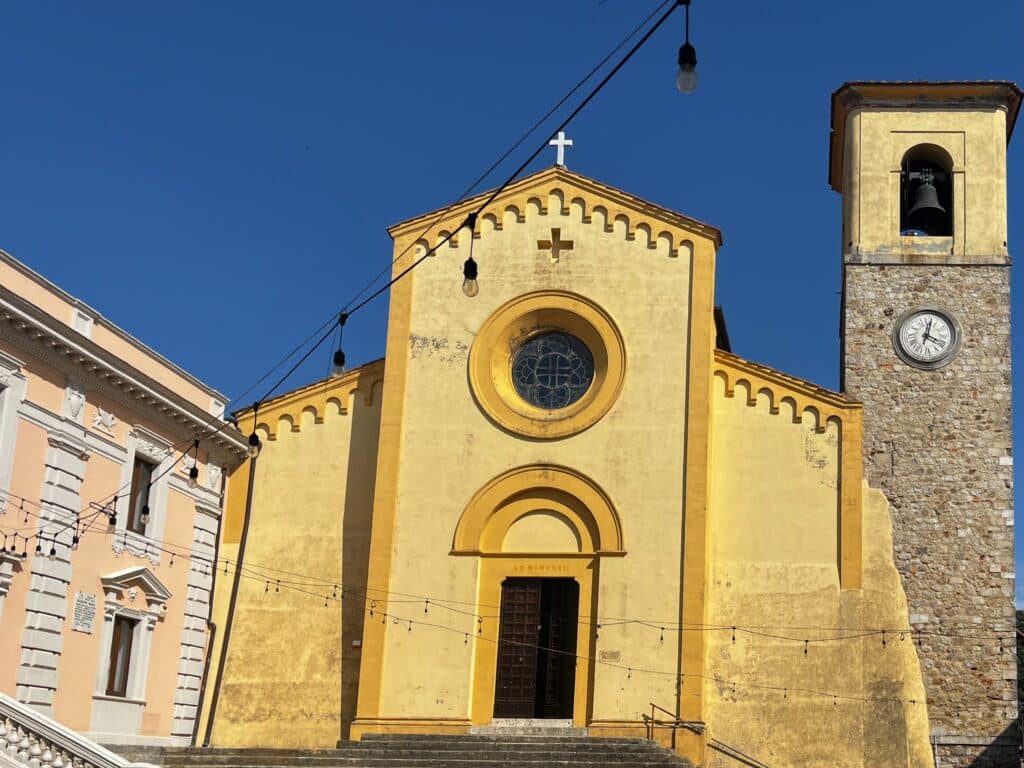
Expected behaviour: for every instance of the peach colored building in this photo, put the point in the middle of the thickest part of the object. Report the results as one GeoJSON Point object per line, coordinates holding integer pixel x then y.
{"type": "Point", "coordinates": [109, 515]}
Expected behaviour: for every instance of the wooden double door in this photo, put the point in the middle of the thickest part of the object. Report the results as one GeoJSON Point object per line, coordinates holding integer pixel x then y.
{"type": "Point", "coordinates": [537, 648]}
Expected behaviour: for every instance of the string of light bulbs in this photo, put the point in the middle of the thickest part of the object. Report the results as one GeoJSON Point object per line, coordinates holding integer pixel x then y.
{"type": "Point", "coordinates": [596, 623]}
{"type": "Point", "coordinates": [374, 610]}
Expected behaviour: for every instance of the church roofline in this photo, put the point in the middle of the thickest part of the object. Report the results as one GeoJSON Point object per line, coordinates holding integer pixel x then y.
{"type": "Point", "coordinates": [896, 94]}
{"type": "Point", "coordinates": [803, 386]}
{"type": "Point", "coordinates": [461, 208]}
{"type": "Point", "coordinates": [319, 388]}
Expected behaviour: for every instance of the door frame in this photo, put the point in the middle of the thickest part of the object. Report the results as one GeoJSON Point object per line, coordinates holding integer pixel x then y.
{"type": "Point", "coordinates": [494, 569]}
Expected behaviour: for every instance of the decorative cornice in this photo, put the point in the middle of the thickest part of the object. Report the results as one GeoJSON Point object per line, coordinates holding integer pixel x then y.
{"type": "Point", "coordinates": [636, 213]}
{"type": "Point", "coordinates": [121, 581]}
{"type": "Point", "coordinates": [995, 94]}
{"type": "Point", "coordinates": [150, 444]}
{"type": "Point", "coordinates": [781, 386]}
{"type": "Point", "coordinates": [315, 398]}
{"type": "Point", "coordinates": [40, 335]}
{"type": "Point", "coordinates": [97, 318]}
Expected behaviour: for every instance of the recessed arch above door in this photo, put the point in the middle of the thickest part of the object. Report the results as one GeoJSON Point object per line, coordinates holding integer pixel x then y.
{"type": "Point", "coordinates": [539, 497]}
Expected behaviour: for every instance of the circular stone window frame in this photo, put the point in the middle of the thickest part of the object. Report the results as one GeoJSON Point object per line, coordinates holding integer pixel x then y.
{"type": "Point", "coordinates": [928, 365]}
{"type": "Point", "coordinates": [517, 321]}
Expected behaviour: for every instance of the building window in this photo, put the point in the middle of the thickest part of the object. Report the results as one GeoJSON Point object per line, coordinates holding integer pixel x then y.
{"type": "Point", "coordinates": [142, 479]}
{"type": "Point", "coordinates": [552, 370]}
{"type": "Point", "coordinates": [926, 192]}
{"type": "Point", "coordinates": [121, 655]}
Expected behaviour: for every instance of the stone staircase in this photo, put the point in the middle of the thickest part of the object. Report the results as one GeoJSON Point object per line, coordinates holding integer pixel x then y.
{"type": "Point", "coordinates": [428, 751]}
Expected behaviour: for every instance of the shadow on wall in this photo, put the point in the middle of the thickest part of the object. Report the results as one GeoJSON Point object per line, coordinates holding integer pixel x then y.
{"type": "Point", "coordinates": [1003, 752]}
{"type": "Point", "coordinates": [355, 536]}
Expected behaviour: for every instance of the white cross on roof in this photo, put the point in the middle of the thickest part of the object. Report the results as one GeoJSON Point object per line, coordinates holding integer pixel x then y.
{"type": "Point", "coordinates": [560, 143]}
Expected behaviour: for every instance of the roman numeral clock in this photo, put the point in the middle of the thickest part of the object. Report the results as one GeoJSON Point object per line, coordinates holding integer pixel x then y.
{"type": "Point", "coordinates": [926, 337]}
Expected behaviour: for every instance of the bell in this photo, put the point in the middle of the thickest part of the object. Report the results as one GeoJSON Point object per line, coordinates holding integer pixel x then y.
{"type": "Point", "coordinates": [926, 201]}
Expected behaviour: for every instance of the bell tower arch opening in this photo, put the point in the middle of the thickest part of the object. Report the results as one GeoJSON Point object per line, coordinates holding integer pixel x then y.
{"type": "Point", "coordinates": [926, 192]}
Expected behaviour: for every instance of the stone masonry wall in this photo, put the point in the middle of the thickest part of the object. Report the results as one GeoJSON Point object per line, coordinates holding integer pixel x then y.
{"type": "Point", "coordinates": [939, 443]}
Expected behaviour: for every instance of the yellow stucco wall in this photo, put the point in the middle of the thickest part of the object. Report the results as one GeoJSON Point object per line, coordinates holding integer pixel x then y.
{"type": "Point", "coordinates": [775, 514]}
{"type": "Point", "coordinates": [636, 264]}
{"type": "Point", "coordinates": [291, 669]}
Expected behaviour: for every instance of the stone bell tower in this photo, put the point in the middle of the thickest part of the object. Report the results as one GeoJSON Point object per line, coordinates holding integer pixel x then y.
{"type": "Point", "coordinates": [926, 347]}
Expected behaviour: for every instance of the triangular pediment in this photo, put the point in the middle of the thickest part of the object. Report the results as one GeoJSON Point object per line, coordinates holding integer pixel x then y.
{"type": "Point", "coordinates": [139, 577]}
{"type": "Point", "coordinates": [560, 186]}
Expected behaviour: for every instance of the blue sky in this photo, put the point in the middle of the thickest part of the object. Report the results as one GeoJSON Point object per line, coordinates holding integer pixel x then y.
{"type": "Point", "coordinates": [217, 177]}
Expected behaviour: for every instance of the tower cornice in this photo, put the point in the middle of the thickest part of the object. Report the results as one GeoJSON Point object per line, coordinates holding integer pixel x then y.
{"type": "Point", "coordinates": [952, 94]}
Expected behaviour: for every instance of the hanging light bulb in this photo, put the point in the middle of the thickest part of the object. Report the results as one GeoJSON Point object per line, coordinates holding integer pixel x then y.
{"type": "Point", "coordinates": [144, 515]}
{"type": "Point", "coordinates": [470, 286]}
{"type": "Point", "coordinates": [193, 471]}
{"type": "Point", "coordinates": [338, 361]}
{"type": "Point", "coordinates": [686, 78]}
{"type": "Point", "coordinates": [53, 549]}
{"type": "Point", "coordinates": [254, 440]}
{"type": "Point", "coordinates": [39, 547]}
{"type": "Point", "coordinates": [338, 364]}
{"type": "Point", "coordinates": [74, 543]}
{"type": "Point", "coordinates": [112, 520]}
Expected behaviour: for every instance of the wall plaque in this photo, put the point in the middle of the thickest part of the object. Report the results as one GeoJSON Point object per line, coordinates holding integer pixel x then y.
{"type": "Point", "coordinates": [85, 612]}
{"type": "Point", "coordinates": [610, 656]}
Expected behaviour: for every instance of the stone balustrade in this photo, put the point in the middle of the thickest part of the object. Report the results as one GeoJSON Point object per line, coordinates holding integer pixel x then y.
{"type": "Point", "coordinates": [33, 740]}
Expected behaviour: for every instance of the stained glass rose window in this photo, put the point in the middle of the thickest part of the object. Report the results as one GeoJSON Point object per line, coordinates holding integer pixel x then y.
{"type": "Point", "coordinates": [552, 370]}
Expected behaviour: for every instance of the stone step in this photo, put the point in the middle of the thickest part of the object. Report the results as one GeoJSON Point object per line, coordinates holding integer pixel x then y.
{"type": "Point", "coordinates": [503, 754]}
{"type": "Point", "coordinates": [608, 756]}
{"type": "Point", "coordinates": [492, 757]}
{"type": "Point", "coordinates": [224, 756]}
{"type": "Point", "coordinates": [435, 751]}
{"type": "Point", "coordinates": [578, 761]}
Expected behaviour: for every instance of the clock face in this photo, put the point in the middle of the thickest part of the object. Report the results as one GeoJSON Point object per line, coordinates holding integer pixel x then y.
{"type": "Point", "coordinates": [926, 338]}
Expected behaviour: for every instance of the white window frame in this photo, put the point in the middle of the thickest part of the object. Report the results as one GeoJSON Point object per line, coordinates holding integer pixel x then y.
{"type": "Point", "coordinates": [116, 587]}
{"type": "Point", "coordinates": [12, 393]}
{"type": "Point", "coordinates": [147, 445]}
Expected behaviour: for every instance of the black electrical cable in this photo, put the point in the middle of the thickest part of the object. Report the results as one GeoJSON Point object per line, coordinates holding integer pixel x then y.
{"type": "Point", "coordinates": [512, 177]}
{"type": "Point", "coordinates": [540, 121]}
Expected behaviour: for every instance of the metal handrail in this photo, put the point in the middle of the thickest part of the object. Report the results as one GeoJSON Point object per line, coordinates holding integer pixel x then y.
{"type": "Point", "coordinates": [651, 722]}
{"type": "Point", "coordinates": [698, 727]}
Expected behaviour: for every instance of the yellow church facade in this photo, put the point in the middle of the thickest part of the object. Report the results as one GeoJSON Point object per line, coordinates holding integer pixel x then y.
{"type": "Point", "coordinates": [473, 489]}
{"type": "Point", "coordinates": [565, 501]}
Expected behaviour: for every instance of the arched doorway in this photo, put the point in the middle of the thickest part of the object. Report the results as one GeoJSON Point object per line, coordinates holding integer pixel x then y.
{"type": "Point", "coordinates": [539, 534]}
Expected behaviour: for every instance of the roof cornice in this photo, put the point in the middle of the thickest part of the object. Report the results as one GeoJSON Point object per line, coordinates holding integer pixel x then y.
{"type": "Point", "coordinates": [41, 335]}
{"type": "Point", "coordinates": [556, 174]}
{"type": "Point", "coordinates": [319, 392]}
{"type": "Point", "coordinates": [948, 94]}
{"type": "Point", "coordinates": [99, 319]}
